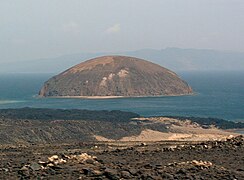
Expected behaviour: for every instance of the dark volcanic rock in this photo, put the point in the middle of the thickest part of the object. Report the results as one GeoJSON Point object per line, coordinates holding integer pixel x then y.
{"type": "Point", "coordinates": [72, 161]}
{"type": "Point", "coordinates": [115, 76]}
{"type": "Point", "coordinates": [33, 125]}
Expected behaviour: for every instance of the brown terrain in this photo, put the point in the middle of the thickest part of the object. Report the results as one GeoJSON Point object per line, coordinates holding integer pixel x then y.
{"type": "Point", "coordinates": [127, 160]}
{"type": "Point", "coordinates": [29, 125]}
{"type": "Point", "coordinates": [115, 76]}
{"type": "Point", "coordinates": [82, 144]}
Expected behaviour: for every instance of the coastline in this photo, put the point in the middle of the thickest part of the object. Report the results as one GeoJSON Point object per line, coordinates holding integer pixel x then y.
{"type": "Point", "coordinates": [114, 97]}
{"type": "Point", "coordinates": [107, 126]}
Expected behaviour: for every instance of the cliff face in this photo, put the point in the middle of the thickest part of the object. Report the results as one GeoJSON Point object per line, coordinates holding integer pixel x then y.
{"type": "Point", "coordinates": [115, 76]}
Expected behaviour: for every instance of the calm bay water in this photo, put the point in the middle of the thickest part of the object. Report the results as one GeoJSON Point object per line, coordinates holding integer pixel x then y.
{"type": "Point", "coordinates": [219, 94]}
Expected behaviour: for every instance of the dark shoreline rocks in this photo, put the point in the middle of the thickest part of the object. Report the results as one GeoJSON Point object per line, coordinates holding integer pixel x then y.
{"type": "Point", "coordinates": [67, 114]}
{"type": "Point", "coordinates": [220, 123]}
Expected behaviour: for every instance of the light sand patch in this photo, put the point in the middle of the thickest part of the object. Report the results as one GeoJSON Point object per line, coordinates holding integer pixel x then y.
{"type": "Point", "coordinates": [101, 138]}
{"type": "Point", "coordinates": [103, 82]}
{"type": "Point", "coordinates": [151, 135]}
{"type": "Point", "coordinates": [111, 75]}
{"type": "Point", "coordinates": [89, 97]}
{"type": "Point", "coordinates": [122, 73]}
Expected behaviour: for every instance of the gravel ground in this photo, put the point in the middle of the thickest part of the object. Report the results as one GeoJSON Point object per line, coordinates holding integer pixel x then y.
{"type": "Point", "coordinates": [127, 160]}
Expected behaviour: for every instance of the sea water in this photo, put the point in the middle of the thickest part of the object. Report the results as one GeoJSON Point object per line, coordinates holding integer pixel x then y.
{"type": "Point", "coordinates": [217, 94]}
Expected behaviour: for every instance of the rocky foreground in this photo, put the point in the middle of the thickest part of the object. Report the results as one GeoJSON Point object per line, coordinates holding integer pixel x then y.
{"type": "Point", "coordinates": [82, 144]}
{"type": "Point", "coordinates": [127, 160]}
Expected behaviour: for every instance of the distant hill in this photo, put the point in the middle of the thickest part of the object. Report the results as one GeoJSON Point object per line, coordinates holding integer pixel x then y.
{"type": "Point", "coordinates": [115, 76]}
{"type": "Point", "coordinates": [175, 59]}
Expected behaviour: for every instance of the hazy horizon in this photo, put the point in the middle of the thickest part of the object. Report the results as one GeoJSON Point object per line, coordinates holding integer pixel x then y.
{"type": "Point", "coordinates": [176, 59]}
{"type": "Point", "coordinates": [31, 30]}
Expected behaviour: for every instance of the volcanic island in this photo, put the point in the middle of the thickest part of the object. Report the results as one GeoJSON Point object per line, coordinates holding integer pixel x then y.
{"type": "Point", "coordinates": [114, 77]}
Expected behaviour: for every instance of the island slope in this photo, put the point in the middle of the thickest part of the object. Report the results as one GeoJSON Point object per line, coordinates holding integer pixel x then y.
{"type": "Point", "coordinates": [115, 76]}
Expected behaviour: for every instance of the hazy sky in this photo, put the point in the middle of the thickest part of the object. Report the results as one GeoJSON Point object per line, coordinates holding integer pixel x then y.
{"type": "Point", "coordinates": [31, 29]}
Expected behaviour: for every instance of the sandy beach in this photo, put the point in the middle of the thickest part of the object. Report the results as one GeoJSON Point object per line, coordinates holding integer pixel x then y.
{"type": "Point", "coordinates": [115, 97]}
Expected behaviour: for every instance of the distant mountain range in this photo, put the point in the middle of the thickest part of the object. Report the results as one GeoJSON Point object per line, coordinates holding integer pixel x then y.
{"type": "Point", "coordinates": [175, 59]}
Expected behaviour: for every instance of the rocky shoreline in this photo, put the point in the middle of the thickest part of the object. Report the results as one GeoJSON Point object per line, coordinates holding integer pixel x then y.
{"type": "Point", "coordinates": [41, 126]}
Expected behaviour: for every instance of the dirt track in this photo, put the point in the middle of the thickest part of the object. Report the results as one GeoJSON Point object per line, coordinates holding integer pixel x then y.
{"type": "Point", "coordinates": [159, 160]}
